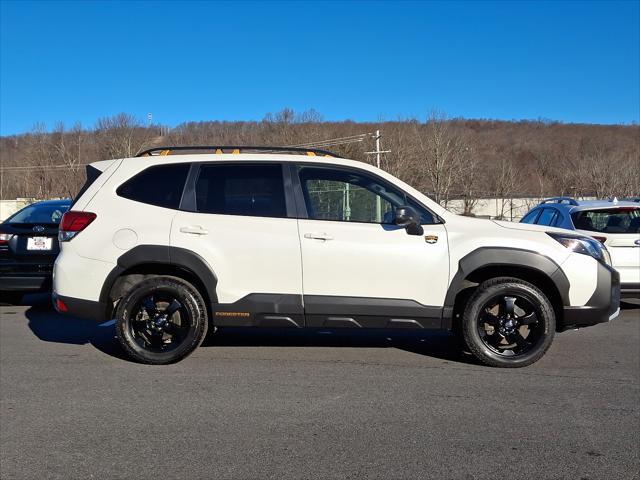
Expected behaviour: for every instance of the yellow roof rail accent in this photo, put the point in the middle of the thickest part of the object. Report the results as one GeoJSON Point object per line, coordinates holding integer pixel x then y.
{"type": "Point", "coordinates": [165, 152]}
{"type": "Point", "coordinates": [311, 154]}
{"type": "Point", "coordinates": [236, 151]}
{"type": "Point", "coordinates": [218, 151]}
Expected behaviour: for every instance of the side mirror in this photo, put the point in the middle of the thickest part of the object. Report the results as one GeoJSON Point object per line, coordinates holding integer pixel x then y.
{"type": "Point", "coordinates": [409, 218]}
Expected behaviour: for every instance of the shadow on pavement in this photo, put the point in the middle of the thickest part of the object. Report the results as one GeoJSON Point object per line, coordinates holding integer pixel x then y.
{"type": "Point", "coordinates": [50, 326]}
{"type": "Point", "coordinates": [629, 304]}
{"type": "Point", "coordinates": [438, 345]}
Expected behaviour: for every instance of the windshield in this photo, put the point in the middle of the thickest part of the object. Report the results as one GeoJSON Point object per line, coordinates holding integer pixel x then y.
{"type": "Point", "coordinates": [51, 213]}
{"type": "Point", "coordinates": [611, 220]}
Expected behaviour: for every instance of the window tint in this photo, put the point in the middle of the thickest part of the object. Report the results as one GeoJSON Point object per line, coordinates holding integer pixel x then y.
{"type": "Point", "coordinates": [346, 196]}
{"type": "Point", "coordinates": [611, 220]}
{"type": "Point", "coordinates": [242, 189]}
{"type": "Point", "coordinates": [557, 222]}
{"type": "Point", "coordinates": [161, 185]}
{"type": "Point", "coordinates": [547, 216]}
{"type": "Point", "coordinates": [530, 217]}
{"type": "Point", "coordinates": [39, 214]}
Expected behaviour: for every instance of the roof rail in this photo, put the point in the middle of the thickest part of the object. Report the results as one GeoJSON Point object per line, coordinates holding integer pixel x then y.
{"type": "Point", "coordinates": [568, 200]}
{"type": "Point", "coordinates": [219, 149]}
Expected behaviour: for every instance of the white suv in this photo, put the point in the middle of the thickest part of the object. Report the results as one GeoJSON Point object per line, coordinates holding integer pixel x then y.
{"type": "Point", "coordinates": [182, 239]}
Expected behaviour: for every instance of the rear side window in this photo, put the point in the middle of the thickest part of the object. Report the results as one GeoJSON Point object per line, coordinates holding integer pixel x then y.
{"type": "Point", "coordinates": [530, 217]}
{"type": "Point", "coordinates": [255, 190]}
{"type": "Point", "coordinates": [611, 220]}
{"type": "Point", "coordinates": [547, 216]}
{"type": "Point", "coordinates": [557, 222]}
{"type": "Point", "coordinates": [161, 185]}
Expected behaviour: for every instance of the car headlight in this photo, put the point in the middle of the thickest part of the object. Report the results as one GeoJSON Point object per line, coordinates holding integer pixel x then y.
{"type": "Point", "coordinates": [585, 245]}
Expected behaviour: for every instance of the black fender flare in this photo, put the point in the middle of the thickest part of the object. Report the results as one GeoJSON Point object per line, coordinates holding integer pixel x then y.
{"type": "Point", "coordinates": [163, 255]}
{"type": "Point", "coordinates": [508, 257]}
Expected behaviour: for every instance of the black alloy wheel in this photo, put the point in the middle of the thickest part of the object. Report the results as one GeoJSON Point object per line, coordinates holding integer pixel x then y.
{"type": "Point", "coordinates": [509, 325]}
{"type": "Point", "coordinates": [508, 322]}
{"type": "Point", "coordinates": [161, 320]}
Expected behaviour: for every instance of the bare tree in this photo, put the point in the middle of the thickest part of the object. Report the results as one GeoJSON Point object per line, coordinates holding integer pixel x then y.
{"type": "Point", "coordinates": [505, 179]}
{"type": "Point", "coordinates": [120, 136]}
{"type": "Point", "coordinates": [442, 155]}
{"type": "Point", "coordinates": [68, 147]}
{"type": "Point", "coordinates": [469, 181]}
{"type": "Point", "coordinates": [532, 159]}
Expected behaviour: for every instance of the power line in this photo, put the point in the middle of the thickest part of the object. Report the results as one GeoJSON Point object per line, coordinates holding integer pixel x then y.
{"type": "Point", "coordinates": [41, 167]}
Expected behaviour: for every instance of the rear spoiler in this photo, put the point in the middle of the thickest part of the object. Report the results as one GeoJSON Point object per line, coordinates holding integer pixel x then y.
{"type": "Point", "coordinates": [93, 171]}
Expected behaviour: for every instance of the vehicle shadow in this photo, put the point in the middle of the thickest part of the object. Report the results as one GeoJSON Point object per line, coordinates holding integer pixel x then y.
{"type": "Point", "coordinates": [438, 345]}
{"type": "Point", "coordinates": [629, 304]}
{"type": "Point", "coordinates": [50, 326]}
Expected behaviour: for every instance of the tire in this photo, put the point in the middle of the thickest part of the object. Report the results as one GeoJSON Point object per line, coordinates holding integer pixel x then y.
{"type": "Point", "coordinates": [153, 329]}
{"type": "Point", "coordinates": [10, 297]}
{"type": "Point", "coordinates": [501, 332]}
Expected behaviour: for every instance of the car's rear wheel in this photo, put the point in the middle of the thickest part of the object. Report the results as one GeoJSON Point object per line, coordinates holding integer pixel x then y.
{"type": "Point", "coordinates": [161, 320]}
{"type": "Point", "coordinates": [508, 322]}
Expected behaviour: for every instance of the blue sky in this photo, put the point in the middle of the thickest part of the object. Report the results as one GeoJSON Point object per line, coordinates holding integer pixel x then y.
{"type": "Point", "coordinates": [182, 61]}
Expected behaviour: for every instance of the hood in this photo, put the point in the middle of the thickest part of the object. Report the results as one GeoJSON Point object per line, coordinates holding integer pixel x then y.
{"type": "Point", "coordinates": [528, 227]}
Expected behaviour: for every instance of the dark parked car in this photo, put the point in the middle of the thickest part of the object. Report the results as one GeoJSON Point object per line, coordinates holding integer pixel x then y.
{"type": "Point", "coordinates": [28, 248]}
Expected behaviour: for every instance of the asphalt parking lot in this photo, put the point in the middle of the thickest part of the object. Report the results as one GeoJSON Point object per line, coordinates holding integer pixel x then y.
{"type": "Point", "coordinates": [316, 405]}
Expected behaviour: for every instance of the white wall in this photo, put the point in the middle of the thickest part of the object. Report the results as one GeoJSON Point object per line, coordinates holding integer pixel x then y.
{"type": "Point", "coordinates": [512, 209]}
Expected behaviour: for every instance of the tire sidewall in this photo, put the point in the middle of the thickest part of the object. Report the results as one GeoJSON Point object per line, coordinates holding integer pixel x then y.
{"type": "Point", "coordinates": [190, 300]}
{"type": "Point", "coordinates": [543, 309]}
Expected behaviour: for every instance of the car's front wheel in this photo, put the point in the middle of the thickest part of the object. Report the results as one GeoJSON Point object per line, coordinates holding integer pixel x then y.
{"type": "Point", "coordinates": [508, 322]}
{"type": "Point", "coordinates": [161, 320]}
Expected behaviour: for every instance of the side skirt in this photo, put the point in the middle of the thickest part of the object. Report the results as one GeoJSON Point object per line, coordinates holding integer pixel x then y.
{"type": "Point", "coordinates": [318, 311]}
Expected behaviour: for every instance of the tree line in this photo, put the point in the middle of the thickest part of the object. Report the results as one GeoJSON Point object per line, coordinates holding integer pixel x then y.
{"type": "Point", "coordinates": [447, 158]}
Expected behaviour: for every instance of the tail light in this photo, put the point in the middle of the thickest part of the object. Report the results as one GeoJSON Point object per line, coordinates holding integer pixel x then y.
{"type": "Point", "coordinates": [73, 223]}
{"type": "Point", "coordinates": [60, 306]}
{"type": "Point", "coordinates": [4, 238]}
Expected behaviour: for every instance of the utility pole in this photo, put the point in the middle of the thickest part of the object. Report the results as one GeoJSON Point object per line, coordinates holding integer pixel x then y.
{"type": "Point", "coordinates": [378, 152]}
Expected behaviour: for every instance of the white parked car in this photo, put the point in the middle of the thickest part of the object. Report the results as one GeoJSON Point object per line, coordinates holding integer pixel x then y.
{"type": "Point", "coordinates": [614, 223]}
{"type": "Point", "coordinates": [180, 240]}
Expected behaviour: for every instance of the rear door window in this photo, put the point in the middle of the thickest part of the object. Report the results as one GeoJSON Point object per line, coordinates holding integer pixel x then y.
{"type": "Point", "coordinates": [161, 185]}
{"type": "Point", "coordinates": [255, 190]}
{"type": "Point", "coordinates": [610, 220]}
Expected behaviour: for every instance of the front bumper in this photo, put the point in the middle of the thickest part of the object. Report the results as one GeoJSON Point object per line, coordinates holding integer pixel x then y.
{"type": "Point", "coordinates": [603, 306]}
{"type": "Point", "coordinates": [25, 283]}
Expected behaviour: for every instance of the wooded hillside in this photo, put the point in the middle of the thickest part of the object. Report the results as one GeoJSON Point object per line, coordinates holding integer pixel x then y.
{"type": "Point", "coordinates": [446, 158]}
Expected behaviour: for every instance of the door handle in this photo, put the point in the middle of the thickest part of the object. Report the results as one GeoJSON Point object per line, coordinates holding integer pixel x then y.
{"type": "Point", "coordinates": [318, 236]}
{"type": "Point", "coordinates": [195, 230]}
